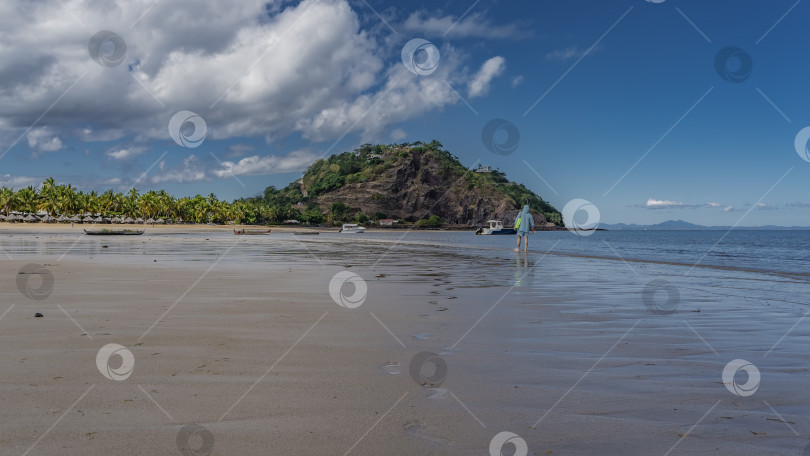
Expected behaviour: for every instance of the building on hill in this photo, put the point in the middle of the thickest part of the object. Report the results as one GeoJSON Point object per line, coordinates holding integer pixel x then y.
{"type": "Point", "coordinates": [387, 222]}
{"type": "Point", "coordinates": [484, 169]}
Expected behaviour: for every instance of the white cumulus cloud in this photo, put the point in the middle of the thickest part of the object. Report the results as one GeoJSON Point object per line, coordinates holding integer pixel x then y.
{"type": "Point", "coordinates": [269, 164]}
{"type": "Point", "coordinates": [250, 68]}
{"type": "Point", "coordinates": [479, 85]}
{"type": "Point", "coordinates": [665, 204]}
{"type": "Point", "coordinates": [43, 140]}
{"type": "Point", "coordinates": [121, 153]}
{"type": "Point", "coordinates": [18, 182]}
{"type": "Point", "coordinates": [191, 171]}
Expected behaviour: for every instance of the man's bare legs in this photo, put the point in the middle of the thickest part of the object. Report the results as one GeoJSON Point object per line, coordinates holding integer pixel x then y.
{"type": "Point", "coordinates": [525, 245]}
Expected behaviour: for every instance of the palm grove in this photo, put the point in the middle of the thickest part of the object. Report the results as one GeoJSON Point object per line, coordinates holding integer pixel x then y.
{"type": "Point", "coordinates": [66, 200]}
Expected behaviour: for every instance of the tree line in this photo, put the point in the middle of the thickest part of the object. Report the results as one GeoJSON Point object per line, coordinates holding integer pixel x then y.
{"type": "Point", "coordinates": [58, 199]}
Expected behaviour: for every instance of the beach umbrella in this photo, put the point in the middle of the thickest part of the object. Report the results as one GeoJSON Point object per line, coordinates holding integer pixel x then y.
{"type": "Point", "coordinates": [48, 219]}
{"type": "Point", "coordinates": [2, 217]}
{"type": "Point", "coordinates": [138, 220]}
{"type": "Point", "coordinates": [160, 221]}
{"type": "Point", "coordinates": [128, 220]}
{"type": "Point", "coordinates": [106, 220]}
{"type": "Point", "coordinates": [116, 220]}
{"type": "Point", "coordinates": [76, 219]}
{"type": "Point", "coordinates": [150, 221]}
{"type": "Point", "coordinates": [30, 218]}
{"type": "Point", "coordinates": [62, 219]}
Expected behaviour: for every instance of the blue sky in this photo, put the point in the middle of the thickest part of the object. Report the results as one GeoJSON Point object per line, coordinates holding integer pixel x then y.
{"type": "Point", "coordinates": [279, 84]}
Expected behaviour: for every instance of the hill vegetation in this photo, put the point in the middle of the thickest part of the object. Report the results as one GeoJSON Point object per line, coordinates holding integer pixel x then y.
{"type": "Point", "coordinates": [414, 182]}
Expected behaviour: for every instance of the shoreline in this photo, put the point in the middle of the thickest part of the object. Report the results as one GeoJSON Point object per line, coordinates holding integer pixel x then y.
{"type": "Point", "coordinates": [61, 229]}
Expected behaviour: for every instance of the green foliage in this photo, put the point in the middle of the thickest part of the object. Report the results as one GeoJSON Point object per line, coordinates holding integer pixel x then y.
{"type": "Point", "coordinates": [313, 215]}
{"type": "Point", "coordinates": [554, 217]}
{"type": "Point", "coordinates": [330, 181]}
{"type": "Point", "coordinates": [434, 221]}
{"type": "Point", "coordinates": [338, 213]}
{"type": "Point", "coordinates": [379, 216]}
{"type": "Point", "coordinates": [360, 217]}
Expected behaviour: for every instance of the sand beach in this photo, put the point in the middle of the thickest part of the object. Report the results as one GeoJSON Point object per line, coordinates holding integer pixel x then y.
{"type": "Point", "coordinates": [237, 345]}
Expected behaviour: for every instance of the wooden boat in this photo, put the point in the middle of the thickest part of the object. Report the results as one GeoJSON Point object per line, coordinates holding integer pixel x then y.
{"type": "Point", "coordinates": [251, 232]}
{"type": "Point", "coordinates": [496, 227]}
{"type": "Point", "coordinates": [109, 232]}
{"type": "Point", "coordinates": [303, 233]}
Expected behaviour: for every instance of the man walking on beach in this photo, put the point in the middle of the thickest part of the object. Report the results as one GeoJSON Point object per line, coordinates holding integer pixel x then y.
{"type": "Point", "coordinates": [524, 224]}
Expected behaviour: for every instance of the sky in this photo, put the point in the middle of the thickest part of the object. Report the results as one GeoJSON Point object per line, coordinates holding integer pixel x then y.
{"type": "Point", "coordinates": [650, 110]}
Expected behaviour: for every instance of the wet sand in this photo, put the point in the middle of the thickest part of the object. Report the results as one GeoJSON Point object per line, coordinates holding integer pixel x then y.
{"type": "Point", "coordinates": [242, 338]}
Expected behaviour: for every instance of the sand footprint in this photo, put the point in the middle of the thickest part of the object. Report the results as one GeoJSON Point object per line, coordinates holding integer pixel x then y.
{"type": "Point", "coordinates": [436, 393]}
{"type": "Point", "coordinates": [421, 430]}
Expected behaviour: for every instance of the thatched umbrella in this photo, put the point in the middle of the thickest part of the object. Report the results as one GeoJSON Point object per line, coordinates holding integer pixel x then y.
{"type": "Point", "coordinates": [48, 219]}
{"type": "Point", "coordinates": [76, 219]}
{"type": "Point", "coordinates": [116, 220]}
{"type": "Point", "coordinates": [160, 221]}
{"type": "Point", "coordinates": [30, 218]}
{"type": "Point", "coordinates": [62, 219]}
{"type": "Point", "coordinates": [138, 220]}
{"type": "Point", "coordinates": [150, 221]}
{"type": "Point", "coordinates": [128, 220]}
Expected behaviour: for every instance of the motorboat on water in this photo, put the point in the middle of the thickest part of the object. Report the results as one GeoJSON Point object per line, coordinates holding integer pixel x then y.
{"type": "Point", "coordinates": [352, 228]}
{"type": "Point", "coordinates": [496, 227]}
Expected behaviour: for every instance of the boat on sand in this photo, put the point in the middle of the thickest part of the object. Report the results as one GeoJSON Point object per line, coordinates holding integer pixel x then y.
{"type": "Point", "coordinates": [109, 232]}
{"type": "Point", "coordinates": [251, 232]}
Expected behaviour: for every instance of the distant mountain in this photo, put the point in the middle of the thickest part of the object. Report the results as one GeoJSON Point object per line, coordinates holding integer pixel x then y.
{"type": "Point", "coordinates": [682, 225]}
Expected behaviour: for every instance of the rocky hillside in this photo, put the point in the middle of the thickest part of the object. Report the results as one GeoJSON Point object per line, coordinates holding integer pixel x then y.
{"type": "Point", "coordinates": [413, 182]}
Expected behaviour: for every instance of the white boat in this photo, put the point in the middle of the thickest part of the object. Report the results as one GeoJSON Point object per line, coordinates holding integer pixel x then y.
{"type": "Point", "coordinates": [495, 227]}
{"type": "Point", "coordinates": [352, 228]}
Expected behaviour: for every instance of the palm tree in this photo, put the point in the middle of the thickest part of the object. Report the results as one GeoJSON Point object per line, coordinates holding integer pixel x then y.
{"type": "Point", "coordinates": [7, 200]}
{"type": "Point", "coordinates": [68, 200]}
{"type": "Point", "coordinates": [88, 202]}
{"type": "Point", "coordinates": [107, 201]}
{"type": "Point", "coordinates": [27, 199]}
{"type": "Point", "coordinates": [129, 204]}
{"type": "Point", "coordinates": [49, 203]}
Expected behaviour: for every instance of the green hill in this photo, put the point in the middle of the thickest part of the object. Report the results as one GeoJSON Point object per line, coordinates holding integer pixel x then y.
{"type": "Point", "coordinates": [409, 182]}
